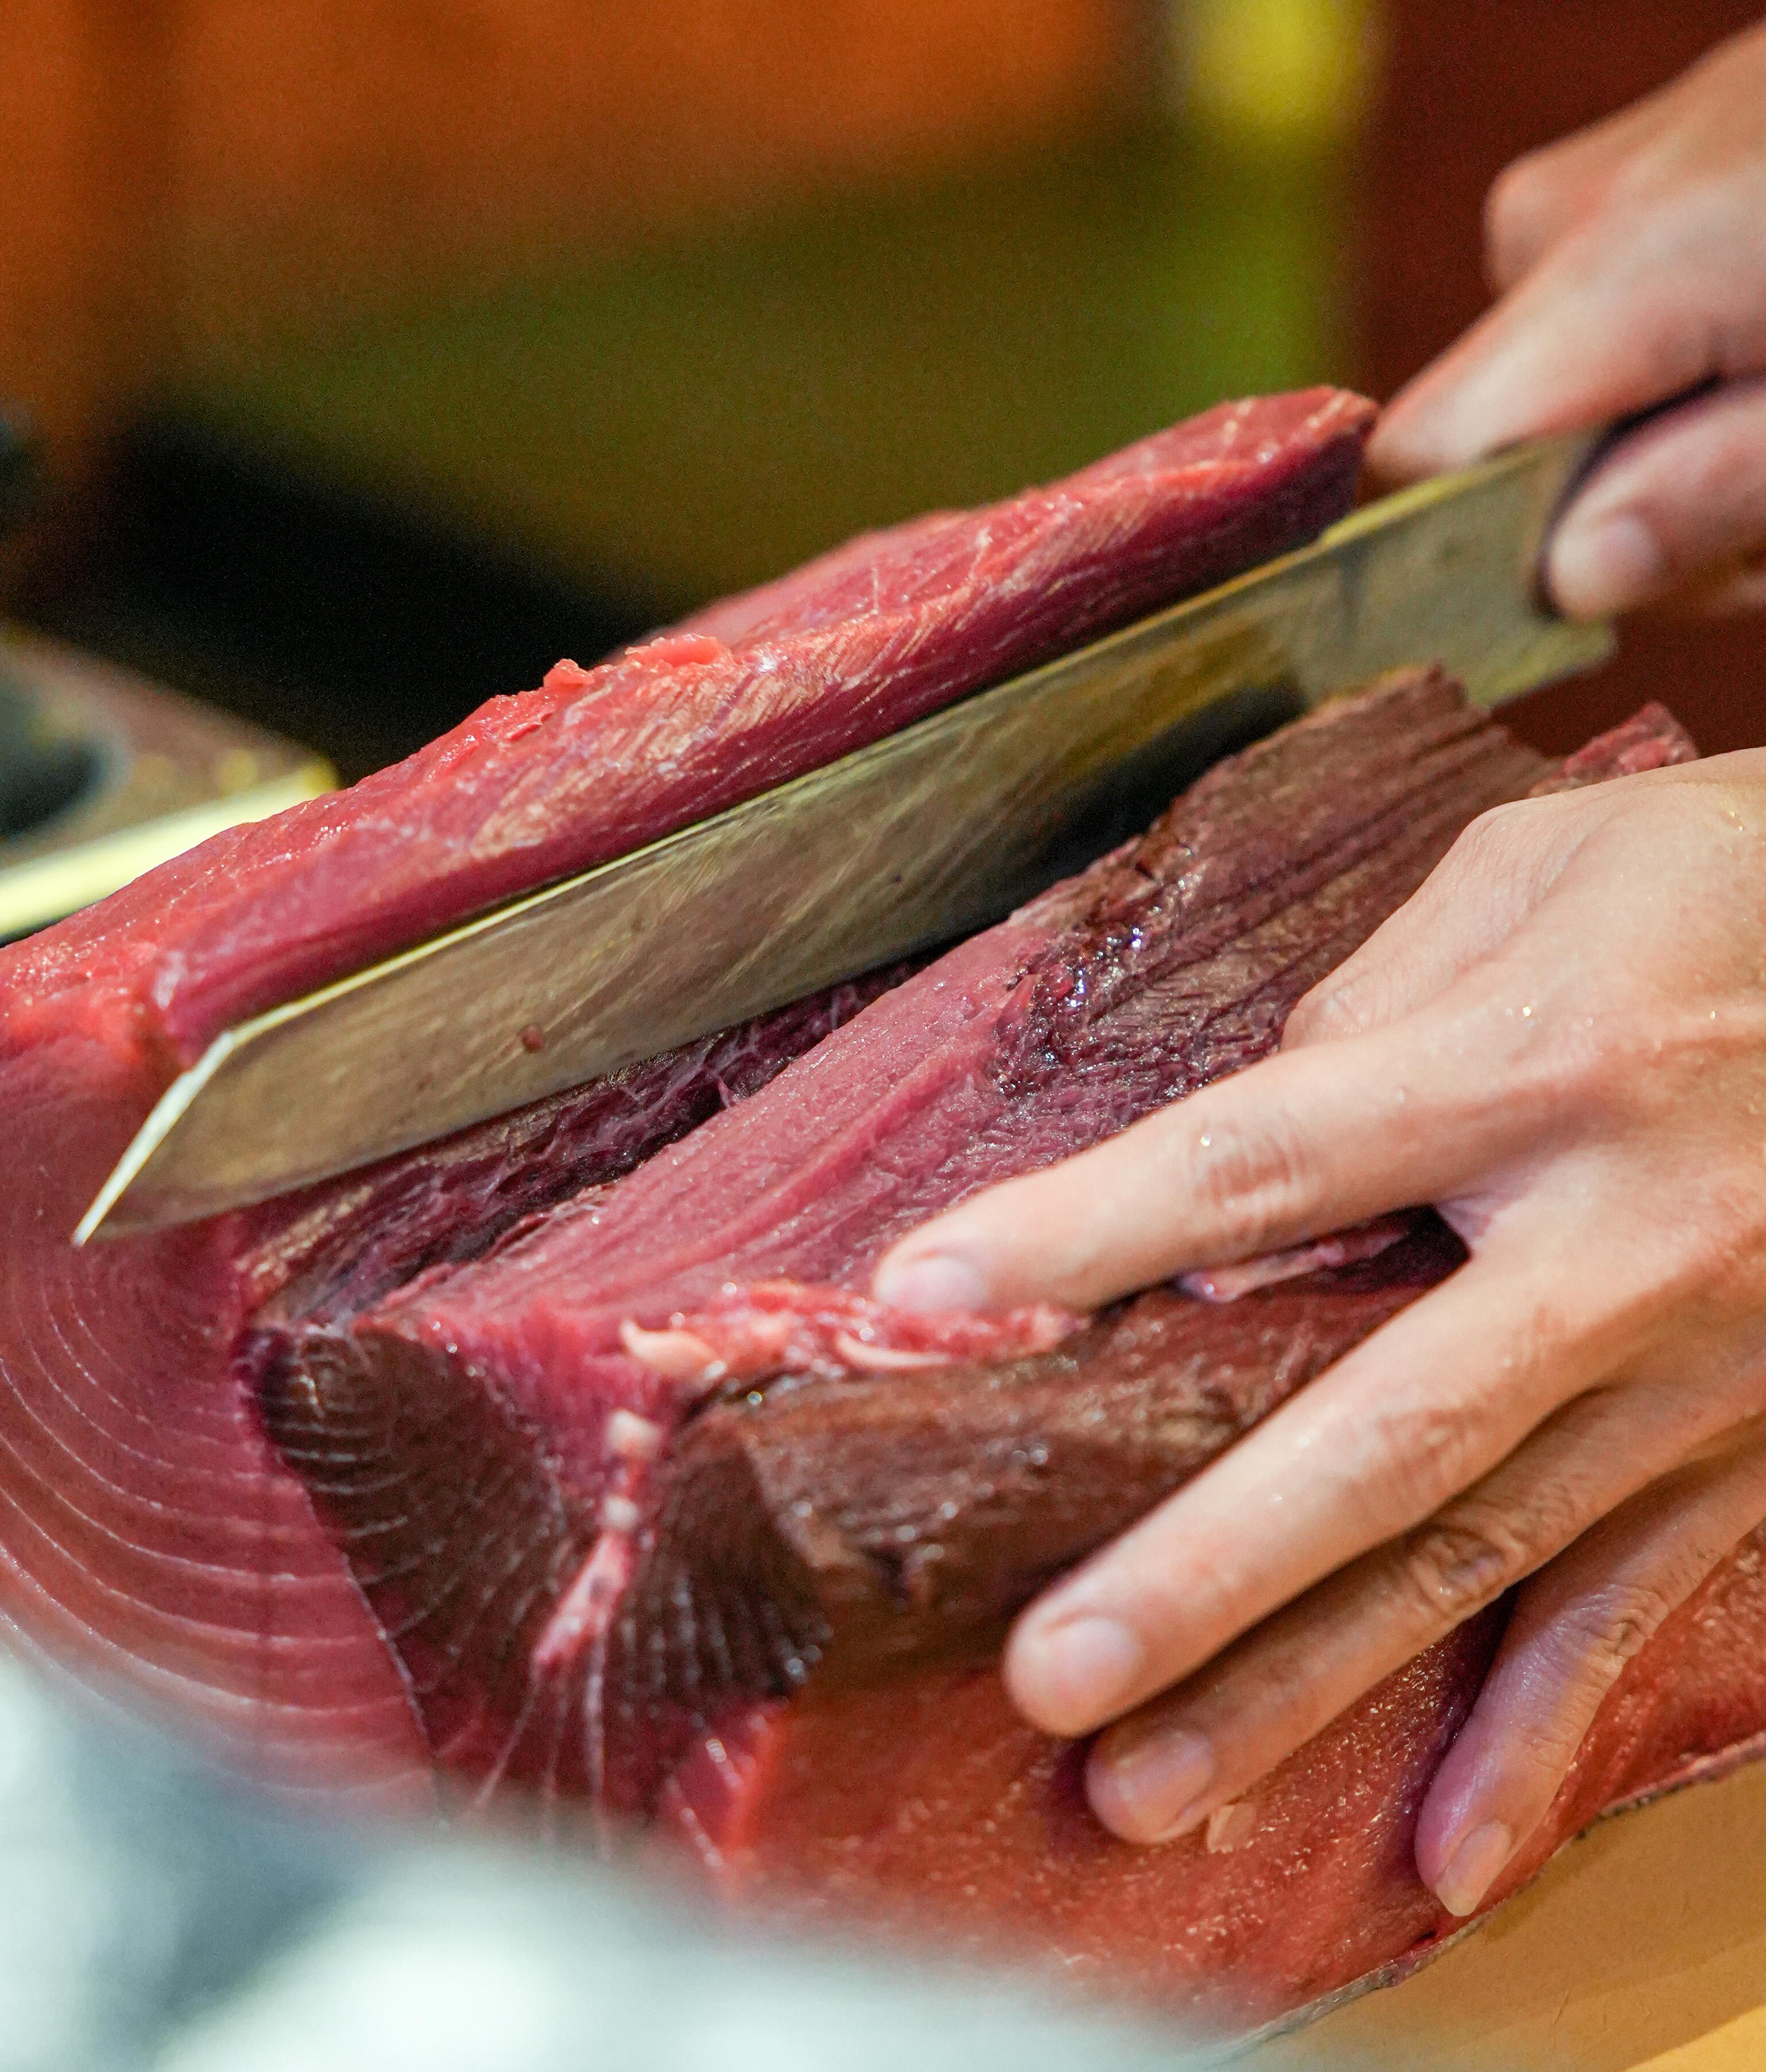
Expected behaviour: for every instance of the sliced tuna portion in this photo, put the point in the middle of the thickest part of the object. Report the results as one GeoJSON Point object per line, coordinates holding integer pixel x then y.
{"type": "Point", "coordinates": [150, 1531]}
{"type": "Point", "coordinates": [597, 762]}
{"type": "Point", "coordinates": [1170, 962]}
{"type": "Point", "coordinates": [925, 1806]}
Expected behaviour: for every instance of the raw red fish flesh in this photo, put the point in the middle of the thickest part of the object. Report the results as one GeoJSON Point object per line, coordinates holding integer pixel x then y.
{"type": "Point", "coordinates": [597, 762]}
{"type": "Point", "coordinates": [570, 1454]}
{"type": "Point", "coordinates": [149, 1530]}
{"type": "Point", "coordinates": [782, 1601]}
{"type": "Point", "coordinates": [1168, 963]}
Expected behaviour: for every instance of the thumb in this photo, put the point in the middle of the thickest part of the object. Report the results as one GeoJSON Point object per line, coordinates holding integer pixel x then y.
{"type": "Point", "coordinates": [1679, 504]}
{"type": "Point", "coordinates": [1633, 308]}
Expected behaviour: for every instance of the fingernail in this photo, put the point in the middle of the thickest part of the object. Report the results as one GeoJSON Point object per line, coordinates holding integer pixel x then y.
{"type": "Point", "coordinates": [1156, 1788]}
{"type": "Point", "coordinates": [1605, 564]}
{"type": "Point", "coordinates": [1071, 1677]}
{"type": "Point", "coordinates": [933, 1280]}
{"type": "Point", "coordinates": [1474, 1867]}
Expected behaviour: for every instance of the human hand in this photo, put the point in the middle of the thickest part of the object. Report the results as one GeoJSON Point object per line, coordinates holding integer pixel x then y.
{"type": "Point", "coordinates": [1560, 1041]}
{"type": "Point", "coordinates": [1631, 262]}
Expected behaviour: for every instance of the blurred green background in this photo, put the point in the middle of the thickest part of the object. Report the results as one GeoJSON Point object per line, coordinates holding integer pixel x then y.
{"type": "Point", "coordinates": [354, 528]}
{"type": "Point", "coordinates": [687, 419]}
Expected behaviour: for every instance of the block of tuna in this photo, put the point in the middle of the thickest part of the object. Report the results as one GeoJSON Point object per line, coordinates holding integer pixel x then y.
{"type": "Point", "coordinates": [852, 1544]}
{"type": "Point", "coordinates": [567, 1460]}
{"type": "Point", "coordinates": [1171, 961]}
{"type": "Point", "coordinates": [797, 1526]}
{"type": "Point", "coordinates": [149, 1530]}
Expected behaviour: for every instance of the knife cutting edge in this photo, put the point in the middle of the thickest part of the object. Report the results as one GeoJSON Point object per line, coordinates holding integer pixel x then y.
{"type": "Point", "coordinates": [928, 834]}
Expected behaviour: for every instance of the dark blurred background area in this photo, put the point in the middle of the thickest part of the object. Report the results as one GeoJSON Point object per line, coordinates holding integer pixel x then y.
{"type": "Point", "coordinates": [383, 351]}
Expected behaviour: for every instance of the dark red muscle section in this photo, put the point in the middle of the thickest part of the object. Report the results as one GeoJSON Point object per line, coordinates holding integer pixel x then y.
{"type": "Point", "coordinates": [759, 1564]}
{"type": "Point", "coordinates": [1168, 963]}
{"type": "Point", "coordinates": [828, 1534]}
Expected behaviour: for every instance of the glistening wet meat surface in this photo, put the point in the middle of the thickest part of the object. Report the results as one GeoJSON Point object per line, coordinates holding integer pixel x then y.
{"type": "Point", "coordinates": [151, 1533]}
{"type": "Point", "coordinates": [1171, 961]}
{"type": "Point", "coordinates": [371, 1481]}
{"type": "Point", "coordinates": [782, 1602]}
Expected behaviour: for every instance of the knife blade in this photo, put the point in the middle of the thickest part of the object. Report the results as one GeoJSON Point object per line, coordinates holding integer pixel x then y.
{"type": "Point", "coordinates": [932, 833]}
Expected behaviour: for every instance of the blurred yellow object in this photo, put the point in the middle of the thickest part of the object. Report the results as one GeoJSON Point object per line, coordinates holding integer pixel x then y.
{"type": "Point", "coordinates": [168, 774]}
{"type": "Point", "coordinates": [1275, 72]}
{"type": "Point", "coordinates": [1642, 1948]}
{"type": "Point", "coordinates": [1738, 2047]}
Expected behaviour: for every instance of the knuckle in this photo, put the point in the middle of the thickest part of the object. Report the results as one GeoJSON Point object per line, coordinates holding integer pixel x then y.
{"type": "Point", "coordinates": [1501, 851]}
{"type": "Point", "coordinates": [1550, 1069]}
{"type": "Point", "coordinates": [1328, 1011]}
{"type": "Point", "coordinates": [1179, 1602]}
{"type": "Point", "coordinates": [1488, 835]}
{"type": "Point", "coordinates": [1453, 1567]}
{"type": "Point", "coordinates": [1543, 1339]}
{"type": "Point", "coordinates": [1514, 193]}
{"type": "Point", "coordinates": [1245, 1176]}
{"type": "Point", "coordinates": [1421, 1451]}
{"type": "Point", "coordinates": [1519, 199]}
{"type": "Point", "coordinates": [1599, 1637]}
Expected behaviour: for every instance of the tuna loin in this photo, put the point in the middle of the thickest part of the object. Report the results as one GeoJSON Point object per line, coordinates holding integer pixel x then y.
{"type": "Point", "coordinates": [149, 1529]}
{"type": "Point", "coordinates": [784, 1599]}
{"type": "Point", "coordinates": [386, 1481]}
{"type": "Point", "coordinates": [861, 1543]}
{"type": "Point", "coordinates": [1171, 961]}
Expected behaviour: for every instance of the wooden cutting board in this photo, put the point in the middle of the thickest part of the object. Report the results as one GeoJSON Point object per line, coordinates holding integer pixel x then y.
{"type": "Point", "coordinates": [1643, 1946]}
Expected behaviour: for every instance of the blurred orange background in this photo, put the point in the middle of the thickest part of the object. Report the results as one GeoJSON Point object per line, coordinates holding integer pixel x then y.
{"type": "Point", "coordinates": [180, 166]}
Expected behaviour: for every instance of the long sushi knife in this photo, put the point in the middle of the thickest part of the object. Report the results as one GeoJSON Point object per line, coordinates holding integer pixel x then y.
{"type": "Point", "coordinates": [930, 834]}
